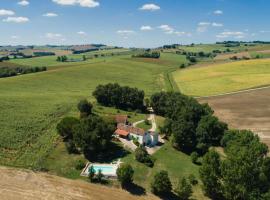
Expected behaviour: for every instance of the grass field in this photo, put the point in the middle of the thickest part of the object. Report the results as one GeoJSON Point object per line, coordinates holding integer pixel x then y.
{"type": "Point", "coordinates": [223, 78]}
{"type": "Point", "coordinates": [32, 104]}
{"type": "Point", "coordinates": [50, 61]}
{"type": "Point", "coordinates": [176, 163]}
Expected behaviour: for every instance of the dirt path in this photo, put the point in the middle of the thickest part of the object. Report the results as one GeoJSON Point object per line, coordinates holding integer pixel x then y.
{"type": "Point", "coordinates": [26, 185]}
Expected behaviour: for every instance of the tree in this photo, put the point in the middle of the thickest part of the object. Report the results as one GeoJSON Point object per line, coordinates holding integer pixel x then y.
{"type": "Point", "coordinates": [243, 174]}
{"type": "Point", "coordinates": [210, 131]}
{"type": "Point", "coordinates": [84, 58]}
{"type": "Point", "coordinates": [184, 135]}
{"type": "Point", "coordinates": [66, 126]}
{"type": "Point", "coordinates": [91, 174]}
{"type": "Point", "coordinates": [161, 183]}
{"type": "Point", "coordinates": [125, 174]}
{"type": "Point", "coordinates": [125, 98]}
{"type": "Point", "coordinates": [184, 189]}
{"type": "Point", "coordinates": [194, 157]}
{"type": "Point", "coordinates": [93, 135]}
{"type": "Point", "coordinates": [210, 173]}
{"type": "Point", "coordinates": [85, 108]}
{"type": "Point", "coordinates": [142, 156]}
{"type": "Point", "coordinates": [99, 176]}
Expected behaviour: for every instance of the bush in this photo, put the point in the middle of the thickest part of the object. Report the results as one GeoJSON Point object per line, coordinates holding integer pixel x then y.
{"type": "Point", "coordinates": [194, 157]}
{"type": "Point", "coordinates": [135, 141]}
{"type": "Point", "coordinates": [182, 66]}
{"type": "Point", "coordinates": [71, 147]}
{"type": "Point", "coordinates": [141, 155]}
{"type": "Point", "coordinates": [125, 174]}
{"type": "Point", "coordinates": [192, 179]}
{"type": "Point", "coordinates": [79, 164]}
{"type": "Point", "coordinates": [161, 183]}
{"type": "Point", "coordinates": [85, 108]}
{"type": "Point", "coordinates": [66, 126]}
{"type": "Point", "coordinates": [184, 189]}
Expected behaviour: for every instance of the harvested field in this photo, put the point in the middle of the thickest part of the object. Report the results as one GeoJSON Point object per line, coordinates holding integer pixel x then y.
{"type": "Point", "coordinates": [246, 110]}
{"type": "Point", "coordinates": [229, 55]}
{"type": "Point", "coordinates": [21, 184]}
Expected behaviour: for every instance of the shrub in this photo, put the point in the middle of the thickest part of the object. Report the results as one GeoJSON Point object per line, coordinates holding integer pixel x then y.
{"type": "Point", "coordinates": [125, 174]}
{"type": "Point", "coordinates": [192, 179]}
{"type": "Point", "coordinates": [184, 189]}
{"type": "Point", "coordinates": [161, 183]}
{"type": "Point", "coordinates": [194, 157]}
{"type": "Point", "coordinates": [85, 108]}
{"type": "Point", "coordinates": [71, 147]}
{"type": "Point", "coordinates": [141, 155]}
{"type": "Point", "coordinates": [66, 126]}
{"type": "Point", "coordinates": [79, 164]}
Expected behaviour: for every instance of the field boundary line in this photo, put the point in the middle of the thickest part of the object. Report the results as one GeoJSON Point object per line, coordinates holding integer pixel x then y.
{"type": "Point", "coordinates": [237, 92]}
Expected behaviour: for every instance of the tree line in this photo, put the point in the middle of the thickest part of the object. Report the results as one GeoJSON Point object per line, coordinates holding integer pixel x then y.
{"type": "Point", "coordinates": [121, 97]}
{"type": "Point", "coordinates": [242, 174]}
{"type": "Point", "coordinates": [190, 125]}
{"type": "Point", "coordinates": [14, 71]}
{"type": "Point", "coordinates": [147, 54]}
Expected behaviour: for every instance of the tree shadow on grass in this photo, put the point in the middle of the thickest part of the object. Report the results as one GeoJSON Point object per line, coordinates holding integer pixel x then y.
{"type": "Point", "coordinates": [135, 189]}
{"type": "Point", "coordinates": [113, 152]}
{"type": "Point", "coordinates": [168, 196]}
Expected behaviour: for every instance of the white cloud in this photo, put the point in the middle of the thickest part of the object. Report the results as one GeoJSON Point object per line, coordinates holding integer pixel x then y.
{"type": "Point", "coordinates": [50, 14]}
{"type": "Point", "coordinates": [166, 28]}
{"type": "Point", "coordinates": [23, 3]}
{"type": "Point", "coordinates": [6, 12]}
{"type": "Point", "coordinates": [16, 19]}
{"type": "Point", "coordinates": [15, 37]}
{"type": "Point", "coordinates": [125, 32]}
{"type": "Point", "coordinates": [218, 12]}
{"type": "Point", "coordinates": [204, 24]}
{"type": "Point", "coordinates": [81, 33]}
{"type": "Point", "coordinates": [264, 31]}
{"type": "Point", "coordinates": [236, 34]}
{"type": "Point", "coordinates": [170, 30]}
{"type": "Point", "coordinates": [82, 3]}
{"type": "Point", "coordinates": [217, 24]}
{"type": "Point", "coordinates": [146, 28]}
{"type": "Point", "coordinates": [150, 7]}
{"type": "Point", "coordinates": [53, 35]}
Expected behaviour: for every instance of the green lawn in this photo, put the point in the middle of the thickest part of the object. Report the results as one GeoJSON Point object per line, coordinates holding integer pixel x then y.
{"type": "Point", "coordinates": [167, 158]}
{"type": "Point", "coordinates": [32, 104]}
{"type": "Point", "coordinates": [223, 78]}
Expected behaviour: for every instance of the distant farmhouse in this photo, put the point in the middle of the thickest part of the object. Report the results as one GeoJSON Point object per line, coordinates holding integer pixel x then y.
{"type": "Point", "coordinates": [127, 131]}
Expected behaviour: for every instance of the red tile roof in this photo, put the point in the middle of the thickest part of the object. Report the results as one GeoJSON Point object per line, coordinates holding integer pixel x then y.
{"type": "Point", "coordinates": [121, 132]}
{"type": "Point", "coordinates": [131, 129]}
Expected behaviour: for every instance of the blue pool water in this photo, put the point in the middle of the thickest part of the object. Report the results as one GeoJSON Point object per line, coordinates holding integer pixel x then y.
{"type": "Point", "coordinates": [106, 170]}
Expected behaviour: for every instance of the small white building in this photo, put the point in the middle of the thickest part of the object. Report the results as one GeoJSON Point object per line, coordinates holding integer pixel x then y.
{"type": "Point", "coordinates": [146, 138]}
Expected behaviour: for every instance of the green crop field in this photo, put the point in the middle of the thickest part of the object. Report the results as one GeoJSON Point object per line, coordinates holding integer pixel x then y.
{"type": "Point", "coordinates": [32, 104]}
{"type": "Point", "coordinates": [223, 78]}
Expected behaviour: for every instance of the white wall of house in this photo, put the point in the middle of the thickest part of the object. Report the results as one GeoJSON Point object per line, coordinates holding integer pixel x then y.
{"type": "Point", "coordinates": [140, 138]}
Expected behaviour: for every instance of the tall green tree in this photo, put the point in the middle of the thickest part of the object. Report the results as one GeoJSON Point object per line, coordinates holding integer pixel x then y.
{"type": "Point", "coordinates": [184, 189]}
{"type": "Point", "coordinates": [125, 174]}
{"type": "Point", "coordinates": [210, 173]}
{"type": "Point", "coordinates": [161, 184]}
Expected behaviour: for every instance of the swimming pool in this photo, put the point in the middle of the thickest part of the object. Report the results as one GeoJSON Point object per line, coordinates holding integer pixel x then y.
{"type": "Point", "coordinates": [109, 170]}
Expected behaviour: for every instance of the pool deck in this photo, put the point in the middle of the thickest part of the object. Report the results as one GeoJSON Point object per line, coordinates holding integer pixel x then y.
{"type": "Point", "coordinates": [85, 171]}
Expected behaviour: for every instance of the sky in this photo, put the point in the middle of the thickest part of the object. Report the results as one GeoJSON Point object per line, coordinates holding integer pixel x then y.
{"type": "Point", "coordinates": [132, 23]}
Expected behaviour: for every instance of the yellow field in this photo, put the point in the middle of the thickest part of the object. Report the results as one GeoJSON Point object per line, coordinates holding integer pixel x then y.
{"type": "Point", "coordinates": [223, 78]}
